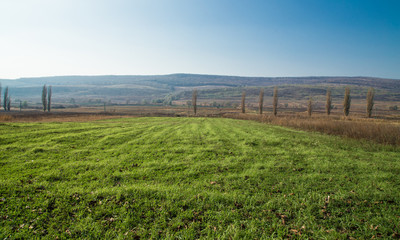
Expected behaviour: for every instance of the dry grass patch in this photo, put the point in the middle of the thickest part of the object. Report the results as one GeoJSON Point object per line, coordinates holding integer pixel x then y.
{"type": "Point", "coordinates": [379, 131]}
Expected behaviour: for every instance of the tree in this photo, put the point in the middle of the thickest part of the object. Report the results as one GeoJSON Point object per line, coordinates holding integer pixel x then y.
{"type": "Point", "coordinates": [243, 101]}
{"type": "Point", "coordinates": [261, 101]}
{"type": "Point", "coordinates": [8, 104]}
{"type": "Point", "coordinates": [44, 97]}
{"type": "Point", "coordinates": [346, 101]}
{"type": "Point", "coordinates": [0, 95]}
{"type": "Point", "coordinates": [275, 101]}
{"type": "Point", "coordinates": [309, 107]}
{"type": "Point", "coordinates": [48, 98]}
{"type": "Point", "coordinates": [328, 105]}
{"type": "Point", "coordinates": [5, 99]}
{"type": "Point", "coordinates": [370, 101]}
{"type": "Point", "coordinates": [194, 101]}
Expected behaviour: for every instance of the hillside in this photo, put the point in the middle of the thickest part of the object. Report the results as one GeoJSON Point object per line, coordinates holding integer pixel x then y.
{"type": "Point", "coordinates": [136, 89]}
{"type": "Point", "coordinates": [191, 178]}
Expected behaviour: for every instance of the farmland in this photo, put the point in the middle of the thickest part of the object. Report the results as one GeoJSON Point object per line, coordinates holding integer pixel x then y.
{"type": "Point", "coordinates": [192, 178]}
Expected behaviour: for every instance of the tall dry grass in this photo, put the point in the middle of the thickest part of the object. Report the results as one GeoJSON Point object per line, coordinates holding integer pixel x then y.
{"type": "Point", "coordinates": [6, 118]}
{"type": "Point", "coordinates": [358, 128]}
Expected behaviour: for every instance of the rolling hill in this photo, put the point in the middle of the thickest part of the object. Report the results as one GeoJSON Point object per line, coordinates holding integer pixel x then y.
{"type": "Point", "coordinates": [158, 88]}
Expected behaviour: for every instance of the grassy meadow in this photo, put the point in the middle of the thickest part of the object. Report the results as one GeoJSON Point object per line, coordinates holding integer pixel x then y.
{"type": "Point", "coordinates": [188, 178]}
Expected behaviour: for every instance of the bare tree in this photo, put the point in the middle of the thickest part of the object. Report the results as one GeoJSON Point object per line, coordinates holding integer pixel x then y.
{"type": "Point", "coordinates": [44, 98]}
{"type": "Point", "coordinates": [275, 102]}
{"type": "Point", "coordinates": [370, 101]}
{"type": "Point", "coordinates": [328, 105]}
{"type": "Point", "coordinates": [5, 99]}
{"type": "Point", "coordinates": [261, 101]}
{"type": "Point", "coordinates": [49, 99]}
{"type": "Point", "coordinates": [243, 101]}
{"type": "Point", "coordinates": [194, 101]}
{"type": "Point", "coordinates": [346, 101]}
{"type": "Point", "coordinates": [309, 107]}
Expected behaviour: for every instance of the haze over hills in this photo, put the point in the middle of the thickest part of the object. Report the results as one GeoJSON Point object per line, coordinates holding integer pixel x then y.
{"type": "Point", "coordinates": [134, 89]}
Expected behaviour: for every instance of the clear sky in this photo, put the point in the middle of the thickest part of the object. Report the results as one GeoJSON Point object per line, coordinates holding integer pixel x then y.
{"type": "Point", "coordinates": [227, 37]}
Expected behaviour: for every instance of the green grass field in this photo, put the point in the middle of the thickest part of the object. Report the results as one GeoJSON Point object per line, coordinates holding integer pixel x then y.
{"type": "Point", "coordinates": [187, 178]}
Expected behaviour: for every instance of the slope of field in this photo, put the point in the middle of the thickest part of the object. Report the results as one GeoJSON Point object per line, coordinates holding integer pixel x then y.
{"type": "Point", "coordinates": [147, 88]}
{"type": "Point", "coordinates": [193, 178]}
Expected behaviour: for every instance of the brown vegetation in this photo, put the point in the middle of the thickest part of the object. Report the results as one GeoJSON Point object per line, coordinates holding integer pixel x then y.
{"type": "Point", "coordinates": [378, 131]}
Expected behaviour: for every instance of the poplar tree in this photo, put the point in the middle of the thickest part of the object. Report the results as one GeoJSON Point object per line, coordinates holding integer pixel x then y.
{"type": "Point", "coordinates": [309, 107]}
{"type": "Point", "coordinates": [8, 104]}
{"type": "Point", "coordinates": [370, 101]}
{"type": "Point", "coordinates": [328, 105]}
{"type": "Point", "coordinates": [346, 101]}
{"type": "Point", "coordinates": [275, 102]}
{"type": "Point", "coordinates": [44, 98]}
{"type": "Point", "coordinates": [5, 99]}
{"type": "Point", "coordinates": [243, 102]}
{"type": "Point", "coordinates": [48, 98]}
{"type": "Point", "coordinates": [194, 101]}
{"type": "Point", "coordinates": [261, 101]}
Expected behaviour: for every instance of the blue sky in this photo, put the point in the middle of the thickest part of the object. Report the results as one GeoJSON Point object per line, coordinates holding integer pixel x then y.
{"type": "Point", "coordinates": [227, 37]}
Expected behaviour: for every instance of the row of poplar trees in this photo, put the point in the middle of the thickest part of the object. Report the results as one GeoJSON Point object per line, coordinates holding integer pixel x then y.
{"type": "Point", "coordinates": [6, 99]}
{"type": "Point", "coordinates": [46, 99]}
{"type": "Point", "coordinates": [328, 105]}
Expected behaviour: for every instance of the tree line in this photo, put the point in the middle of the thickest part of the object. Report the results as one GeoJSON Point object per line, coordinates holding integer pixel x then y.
{"type": "Point", "coordinates": [46, 98]}
{"type": "Point", "coordinates": [328, 104]}
{"type": "Point", "coordinates": [47, 95]}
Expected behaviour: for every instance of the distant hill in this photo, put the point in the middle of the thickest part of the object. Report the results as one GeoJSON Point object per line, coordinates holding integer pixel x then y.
{"type": "Point", "coordinates": [121, 89]}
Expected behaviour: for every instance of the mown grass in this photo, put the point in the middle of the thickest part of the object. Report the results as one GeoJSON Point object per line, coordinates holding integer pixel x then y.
{"type": "Point", "coordinates": [193, 178]}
